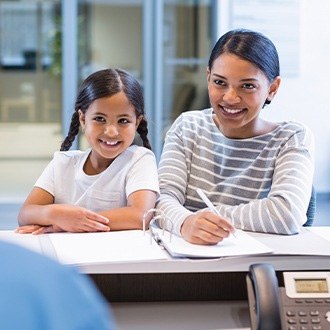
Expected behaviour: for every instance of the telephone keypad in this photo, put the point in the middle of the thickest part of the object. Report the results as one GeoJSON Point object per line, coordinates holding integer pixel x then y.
{"type": "Point", "coordinates": [292, 321]}
{"type": "Point", "coordinates": [290, 313]}
{"type": "Point", "coordinates": [302, 313]}
{"type": "Point", "coordinates": [305, 314]}
{"type": "Point", "coordinates": [314, 321]}
{"type": "Point", "coordinates": [314, 313]}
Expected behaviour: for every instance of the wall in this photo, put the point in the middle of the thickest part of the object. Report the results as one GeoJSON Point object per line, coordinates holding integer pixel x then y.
{"type": "Point", "coordinates": [116, 42]}
{"type": "Point", "coordinates": [303, 95]}
{"type": "Point", "coordinates": [305, 98]}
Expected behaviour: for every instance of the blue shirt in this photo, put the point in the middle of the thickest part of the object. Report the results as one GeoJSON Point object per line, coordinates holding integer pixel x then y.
{"type": "Point", "coordinates": [39, 293]}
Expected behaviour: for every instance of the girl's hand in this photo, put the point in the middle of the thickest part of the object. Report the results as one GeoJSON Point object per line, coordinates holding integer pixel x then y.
{"type": "Point", "coordinates": [205, 228]}
{"type": "Point", "coordinates": [37, 229]}
{"type": "Point", "coordinates": [76, 219]}
{"type": "Point", "coordinates": [28, 229]}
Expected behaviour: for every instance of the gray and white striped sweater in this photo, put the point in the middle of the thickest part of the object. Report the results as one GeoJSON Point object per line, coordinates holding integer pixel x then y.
{"type": "Point", "coordinates": [260, 184]}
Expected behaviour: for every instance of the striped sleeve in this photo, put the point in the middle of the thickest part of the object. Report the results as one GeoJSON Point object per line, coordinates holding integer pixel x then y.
{"type": "Point", "coordinates": [283, 209]}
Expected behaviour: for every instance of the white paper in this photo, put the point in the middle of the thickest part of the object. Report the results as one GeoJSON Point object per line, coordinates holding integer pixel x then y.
{"type": "Point", "coordinates": [307, 242]}
{"type": "Point", "coordinates": [323, 231]}
{"type": "Point", "coordinates": [117, 246]}
{"type": "Point", "coordinates": [242, 244]}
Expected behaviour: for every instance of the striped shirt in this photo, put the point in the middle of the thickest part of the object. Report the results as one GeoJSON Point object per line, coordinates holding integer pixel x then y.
{"type": "Point", "coordinates": [259, 184]}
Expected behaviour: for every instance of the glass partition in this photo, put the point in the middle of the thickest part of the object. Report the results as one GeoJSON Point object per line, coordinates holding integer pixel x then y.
{"type": "Point", "coordinates": [165, 44]}
{"type": "Point", "coordinates": [186, 46]}
{"type": "Point", "coordinates": [30, 92]}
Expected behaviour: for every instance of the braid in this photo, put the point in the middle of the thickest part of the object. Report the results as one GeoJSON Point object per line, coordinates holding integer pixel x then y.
{"type": "Point", "coordinates": [143, 132]}
{"type": "Point", "coordinates": [73, 131]}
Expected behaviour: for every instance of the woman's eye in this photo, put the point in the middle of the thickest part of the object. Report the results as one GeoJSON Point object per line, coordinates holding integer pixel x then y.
{"type": "Point", "coordinates": [248, 86]}
{"type": "Point", "coordinates": [219, 82]}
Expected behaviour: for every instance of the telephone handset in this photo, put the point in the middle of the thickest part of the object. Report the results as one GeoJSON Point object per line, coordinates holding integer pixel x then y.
{"type": "Point", "coordinates": [263, 295]}
{"type": "Point", "coordinates": [303, 302]}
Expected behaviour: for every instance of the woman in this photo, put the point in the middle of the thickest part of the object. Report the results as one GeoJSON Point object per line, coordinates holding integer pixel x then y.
{"type": "Point", "coordinates": [257, 173]}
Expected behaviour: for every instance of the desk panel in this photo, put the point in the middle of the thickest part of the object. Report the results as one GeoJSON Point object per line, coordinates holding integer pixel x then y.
{"type": "Point", "coordinates": [172, 286]}
{"type": "Point", "coordinates": [182, 315]}
{"type": "Point", "coordinates": [193, 280]}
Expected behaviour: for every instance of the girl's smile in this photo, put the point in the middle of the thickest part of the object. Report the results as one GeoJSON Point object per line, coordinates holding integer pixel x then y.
{"type": "Point", "coordinates": [110, 144]}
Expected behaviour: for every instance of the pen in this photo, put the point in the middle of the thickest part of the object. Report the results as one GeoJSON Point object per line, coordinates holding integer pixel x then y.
{"type": "Point", "coordinates": [208, 203]}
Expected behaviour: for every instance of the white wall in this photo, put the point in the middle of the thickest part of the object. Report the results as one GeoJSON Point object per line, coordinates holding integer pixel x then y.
{"type": "Point", "coordinates": [303, 96]}
{"type": "Point", "coordinates": [306, 97]}
{"type": "Point", "coordinates": [116, 42]}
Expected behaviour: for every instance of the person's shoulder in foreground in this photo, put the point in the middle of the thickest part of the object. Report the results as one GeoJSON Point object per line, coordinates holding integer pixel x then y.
{"type": "Point", "coordinates": [39, 293]}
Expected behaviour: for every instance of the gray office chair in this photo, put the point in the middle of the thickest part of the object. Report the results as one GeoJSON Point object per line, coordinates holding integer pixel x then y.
{"type": "Point", "coordinates": [311, 209]}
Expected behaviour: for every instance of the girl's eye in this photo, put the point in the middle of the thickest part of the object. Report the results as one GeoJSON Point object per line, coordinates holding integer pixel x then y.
{"type": "Point", "coordinates": [99, 119]}
{"type": "Point", "coordinates": [123, 121]}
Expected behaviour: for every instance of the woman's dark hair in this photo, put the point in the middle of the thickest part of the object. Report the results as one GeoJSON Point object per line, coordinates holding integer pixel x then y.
{"type": "Point", "coordinates": [250, 46]}
{"type": "Point", "coordinates": [105, 83]}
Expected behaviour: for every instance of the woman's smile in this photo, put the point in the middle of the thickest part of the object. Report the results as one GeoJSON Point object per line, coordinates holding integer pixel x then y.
{"type": "Point", "coordinates": [237, 91]}
{"type": "Point", "coordinates": [231, 112]}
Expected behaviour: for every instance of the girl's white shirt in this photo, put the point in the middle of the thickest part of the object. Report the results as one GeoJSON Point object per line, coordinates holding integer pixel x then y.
{"type": "Point", "coordinates": [64, 178]}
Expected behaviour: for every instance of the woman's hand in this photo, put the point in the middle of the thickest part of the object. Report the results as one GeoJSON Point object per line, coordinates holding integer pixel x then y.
{"type": "Point", "coordinates": [205, 228]}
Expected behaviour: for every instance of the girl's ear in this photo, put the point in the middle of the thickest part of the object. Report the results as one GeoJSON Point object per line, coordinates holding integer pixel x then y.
{"type": "Point", "coordinates": [81, 118]}
{"type": "Point", "coordinates": [273, 88]}
{"type": "Point", "coordinates": [138, 121]}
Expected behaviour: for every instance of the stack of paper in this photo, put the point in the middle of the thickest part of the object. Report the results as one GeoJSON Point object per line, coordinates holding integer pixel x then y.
{"type": "Point", "coordinates": [239, 245]}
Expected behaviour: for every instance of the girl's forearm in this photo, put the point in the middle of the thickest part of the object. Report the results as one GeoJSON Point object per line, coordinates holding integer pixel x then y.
{"type": "Point", "coordinates": [35, 215]}
{"type": "Point", "coordinates": [125, 218]}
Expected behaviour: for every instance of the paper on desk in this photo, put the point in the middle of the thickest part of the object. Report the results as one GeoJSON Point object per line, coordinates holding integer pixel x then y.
{"type": "Point", "coordinates": [96, 248]}
{"type": "Point", "coordinates": [307, 242]}
{"type": "Point", "coordinates": [323, 231]}
{"type": "Point", "coordinates": [28, 241]}
{"type": "Point", "coordinates": [242, 244]}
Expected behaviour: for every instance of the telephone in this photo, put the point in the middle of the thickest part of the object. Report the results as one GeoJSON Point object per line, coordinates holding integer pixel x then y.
{"type": "Point", "coordinates": [303, 302]}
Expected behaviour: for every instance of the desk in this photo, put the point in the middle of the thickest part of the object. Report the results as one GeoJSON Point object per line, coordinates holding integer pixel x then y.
{"type": "Point", "coordinates": [182, 315]}
{"type": "Point", "coordinates": [192, 294]}
{"type": "Point", "coordinates": [197, 294]}
{"type": "Point", "coordinates": [211, 279]}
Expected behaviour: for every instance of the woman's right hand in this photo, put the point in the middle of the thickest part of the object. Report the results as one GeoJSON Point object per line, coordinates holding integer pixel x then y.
{"type": "Point", "coordinates": [205, 228]}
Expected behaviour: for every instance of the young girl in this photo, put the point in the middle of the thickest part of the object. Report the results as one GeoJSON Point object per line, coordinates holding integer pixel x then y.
{"type": "Point", "coordinates": [109, 186]}
{"type": "Point", "coordinates": [257, 173]}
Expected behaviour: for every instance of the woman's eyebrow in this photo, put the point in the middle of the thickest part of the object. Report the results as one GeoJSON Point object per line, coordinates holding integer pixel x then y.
{"type": "Point", "coordinates": [219, 76]}
{"type": "Point", "coordinates": [242, 80]}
